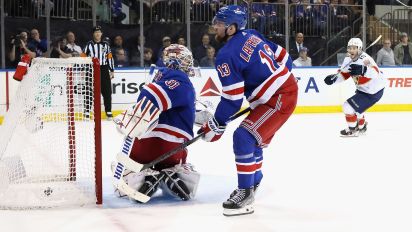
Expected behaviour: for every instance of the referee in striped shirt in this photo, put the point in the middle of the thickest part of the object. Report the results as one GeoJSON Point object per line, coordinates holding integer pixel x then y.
{"type": "Point", "coordinates": [101, 50]}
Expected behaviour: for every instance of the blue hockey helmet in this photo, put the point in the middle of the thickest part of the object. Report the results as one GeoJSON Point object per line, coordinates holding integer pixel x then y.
{"type": "Point", "coordinates": [231, 14]}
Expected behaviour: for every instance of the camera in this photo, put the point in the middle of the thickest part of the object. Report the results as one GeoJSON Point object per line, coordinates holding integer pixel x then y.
{"type": "Point", "coordinates": [17, 40]}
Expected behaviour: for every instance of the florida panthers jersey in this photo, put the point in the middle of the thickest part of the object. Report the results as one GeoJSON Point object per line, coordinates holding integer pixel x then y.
{"type": "Point", "coordinates": [371, 82]}
{"type": "Point", "coordinates": [251, 66]}
{"type": "Point", "coordinates": [173, 93]}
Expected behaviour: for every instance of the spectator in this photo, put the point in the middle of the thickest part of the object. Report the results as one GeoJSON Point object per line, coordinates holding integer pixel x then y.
{"type": "Point", "coordinates": [181, 40]}
{"type": "Point", "coordinates": [301, 14]}
{"type": "Point", "coordinates": [200, 51]}
{"type": "Point", "coordinates": [118, 44]}
{"type": "Point", "coordinates": [403, 51]}
{"type": "Point", "coordinates": [303, 60]}
{"type": "Point", "coordinates": [18, 47]}
{"type": "Point", "coordinates": [319, 13]}
{"type": "Point", "coordinates": [385, 56]}
{"type": "Point", "coordinates": [263, 16]}
{"type": "Point", "coordinates": [120, 58]}
{"type": "Point", "coordinates": [117, 13]}
{"type": "Point", "coordinates": [296, 46]}
{"type": "Point", "coordinates": [202, 10]}
{"type": "Point", "coordinates": [147, 57]}
{"type": "Point", "coordinates": [102, 11]}
{"type": "Point", "coordinates": [59, 49]}
{"type": "Point", "coordinates": [135, 5]}
{"type": "Point", "coordinates": [210, 59]}
{"type": "Point", "coordinates": [135, 52]}
{"type": "Point", "coordinates": [339, 15]}
{"type": "Point", "coordinates": [71, 47]}
{"type": "Point", "coordinates": [39, 46]}
{"type": "Point", "coordinates": [166, 42]}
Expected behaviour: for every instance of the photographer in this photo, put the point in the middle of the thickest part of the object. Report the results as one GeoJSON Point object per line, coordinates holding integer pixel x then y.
{"type": "Point", "coordinates": [18, 47]}
{"type": "Point", "coordinates": [59, 48]}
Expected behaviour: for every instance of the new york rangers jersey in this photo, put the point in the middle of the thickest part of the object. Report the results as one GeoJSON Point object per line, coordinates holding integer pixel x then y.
{"type": "Point", "coordinates": [371, 82]}
{"type": "Point", "coordinates": [251, 66]}
{"type": "Point", "coordinates": [173, 93]}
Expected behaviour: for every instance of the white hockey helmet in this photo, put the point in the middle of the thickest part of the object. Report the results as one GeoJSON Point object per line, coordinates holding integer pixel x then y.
{"type": "Point", "coordinates": [178, 57]}
{"type": "Point", "coordinates": [357, 43]}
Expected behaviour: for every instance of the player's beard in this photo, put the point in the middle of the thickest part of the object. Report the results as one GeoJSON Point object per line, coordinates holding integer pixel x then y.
{"type": "Point", "coordinates": [221, 39]}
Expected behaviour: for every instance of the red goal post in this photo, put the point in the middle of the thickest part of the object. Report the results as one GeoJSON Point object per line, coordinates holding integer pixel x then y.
{"type": "Point", "coordinates": [50, 140]}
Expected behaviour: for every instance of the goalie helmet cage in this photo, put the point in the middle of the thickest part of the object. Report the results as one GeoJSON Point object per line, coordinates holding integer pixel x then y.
{"type": "Point", "coordinates": [50, 140]}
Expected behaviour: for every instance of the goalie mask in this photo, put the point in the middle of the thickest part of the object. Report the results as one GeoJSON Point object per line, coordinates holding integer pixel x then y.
{"type": "Point", "coordinates": [178, 57]}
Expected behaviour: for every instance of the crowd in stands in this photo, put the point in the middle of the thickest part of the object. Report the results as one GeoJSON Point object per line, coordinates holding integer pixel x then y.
{"type": "Point", "coordinates": [307, 18]}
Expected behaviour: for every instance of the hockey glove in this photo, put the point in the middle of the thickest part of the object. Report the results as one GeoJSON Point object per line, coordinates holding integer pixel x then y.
{"type": "Point", "coordinates": [356, 69]}
{"type": "Point", "coordinates": [330, 79]}
{"type": "Point", "coordinates": [212, 131]}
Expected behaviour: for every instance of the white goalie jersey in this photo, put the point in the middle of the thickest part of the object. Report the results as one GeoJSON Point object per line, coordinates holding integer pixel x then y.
{"type": "Point", "coordinates": [371, 82]}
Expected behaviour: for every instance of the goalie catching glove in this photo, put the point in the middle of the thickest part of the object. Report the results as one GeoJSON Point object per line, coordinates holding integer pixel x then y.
{"type": "Point", "coordinates": [212, 130]}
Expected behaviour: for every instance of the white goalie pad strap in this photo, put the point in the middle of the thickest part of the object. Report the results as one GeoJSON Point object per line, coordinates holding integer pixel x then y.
{"type": "Point", "coordinates": [138, 120]}
{"type": "Point", "coordinates": [187, 174]}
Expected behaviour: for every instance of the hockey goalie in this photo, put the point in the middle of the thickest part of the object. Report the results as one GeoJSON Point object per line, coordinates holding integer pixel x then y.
{"type": "Point", "coordinates": [161, 120]}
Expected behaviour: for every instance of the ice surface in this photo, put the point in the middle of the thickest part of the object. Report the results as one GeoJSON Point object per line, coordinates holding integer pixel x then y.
{"type": "Point", "coordinates": [314, 181]}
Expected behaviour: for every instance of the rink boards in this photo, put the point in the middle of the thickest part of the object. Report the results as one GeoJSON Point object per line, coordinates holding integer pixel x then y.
{"type": "Point", "coordinates": [314, 95]}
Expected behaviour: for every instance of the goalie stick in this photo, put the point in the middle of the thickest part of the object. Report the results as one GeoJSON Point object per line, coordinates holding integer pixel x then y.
{"type": "Point", "coordinates": [125, 161]}
{"type": "Point", "coordinates": [370, 45]}
{"type": "Point", "coordinates": [118, 180]}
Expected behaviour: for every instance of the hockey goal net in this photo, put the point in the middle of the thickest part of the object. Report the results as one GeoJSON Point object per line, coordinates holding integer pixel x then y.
{"type": "Point", "coordinates": [50, 143]}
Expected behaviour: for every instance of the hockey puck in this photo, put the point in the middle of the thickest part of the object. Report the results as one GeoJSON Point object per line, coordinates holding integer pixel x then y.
{"type": "Point", "coordinates": [48, 191]}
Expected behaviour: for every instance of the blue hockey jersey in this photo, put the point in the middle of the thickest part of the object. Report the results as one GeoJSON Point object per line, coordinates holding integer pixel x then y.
{"type": "Point", "coordinates": [173, 93]}
{"type": "Point", "coordinates": [251, 66]}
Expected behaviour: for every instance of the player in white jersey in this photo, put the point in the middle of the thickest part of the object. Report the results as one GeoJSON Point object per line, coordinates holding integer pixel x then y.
{"type": "Point", "coordinates": [370, 83]}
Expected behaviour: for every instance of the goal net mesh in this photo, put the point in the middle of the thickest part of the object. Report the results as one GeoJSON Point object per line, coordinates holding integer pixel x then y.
{"type": "Point", "coordinates": [47, 140]}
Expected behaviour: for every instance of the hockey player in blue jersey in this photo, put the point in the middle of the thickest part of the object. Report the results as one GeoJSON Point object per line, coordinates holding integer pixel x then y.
{"type": "Point", "coordinates": [249, 66]}
{"type": "Point", "coordinates": [162, 120]}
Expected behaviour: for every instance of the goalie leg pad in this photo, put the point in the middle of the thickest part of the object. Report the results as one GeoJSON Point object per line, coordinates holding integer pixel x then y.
{"type": "Point", "coordinates": [181, 181]}
{"type": "Point", "coordinates": [134, 179]}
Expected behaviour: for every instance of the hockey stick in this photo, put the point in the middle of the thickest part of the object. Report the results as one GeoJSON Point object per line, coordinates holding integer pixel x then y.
{"type": "Point", "coordinates": [151, 72]}
{"type": "Point", "coordinates": [370, 45]}
{"type": "Point", "coordinates": [137, 167]}
{"type": "Point", "coordinates": [403, 4]}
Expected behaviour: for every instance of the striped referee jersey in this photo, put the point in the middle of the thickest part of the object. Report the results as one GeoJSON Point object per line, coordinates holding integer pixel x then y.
{"type": "Point", "coordinates": [100, 50]}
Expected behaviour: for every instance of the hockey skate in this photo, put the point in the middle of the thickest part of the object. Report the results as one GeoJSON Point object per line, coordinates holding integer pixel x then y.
{"type": "Point", "coordinates": [151, 183]}
{"type": "Point", "coordinates": [362, 130]}
{"type": "Point", "coordinates": [240, 202]}
{"type": "Point", "coordinates": [349, 132]}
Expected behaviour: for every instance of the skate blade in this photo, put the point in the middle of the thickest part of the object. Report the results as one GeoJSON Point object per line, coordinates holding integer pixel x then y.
{"type": "Point", "coordinates": [237, 212]}
{"type": "Point", "coordinates": [350, 136]}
